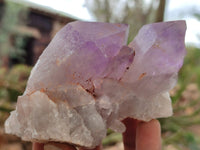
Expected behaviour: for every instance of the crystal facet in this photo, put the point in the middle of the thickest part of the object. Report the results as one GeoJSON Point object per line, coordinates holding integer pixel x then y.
{"type": "Point", "coordinates": [87, 80]}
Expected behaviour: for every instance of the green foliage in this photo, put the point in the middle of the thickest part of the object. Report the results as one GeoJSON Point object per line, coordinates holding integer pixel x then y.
{"type": "Point", "coordinates": [183, 139]}
{"type": "Point", "coordinates": [176, 129]}
{"type": "Point", "coordinates": [112, 139]}
{"type": "Point", "coordinates": [191, 70]}
{"type": "Point", "coordinates": [11, 42]}
{"type": "Point", "coordinates": [4, 109]}
{"type": "Point", "coordinates": [12, 84]}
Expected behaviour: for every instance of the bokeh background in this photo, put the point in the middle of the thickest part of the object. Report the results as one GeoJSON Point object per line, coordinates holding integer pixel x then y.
{"type": "Point", "coordinates": [27, 26]}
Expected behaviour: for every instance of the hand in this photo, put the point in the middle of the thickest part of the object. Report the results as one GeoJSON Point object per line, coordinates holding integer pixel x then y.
{"type": "Point", "coordinates": [142, 135]}
{"type": "Point", "coordinates": [138, 136]}
{"type": "Point", "coordinates": [41, 146]}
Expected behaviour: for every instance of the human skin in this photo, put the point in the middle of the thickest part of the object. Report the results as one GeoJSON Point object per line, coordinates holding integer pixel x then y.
{"type": "Point", "coordinates": [138, 136]}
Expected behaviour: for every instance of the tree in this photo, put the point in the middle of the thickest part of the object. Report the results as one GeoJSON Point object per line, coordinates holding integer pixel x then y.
{"type": "Point", "coordinates": [160, 11]}
{"type": "Point", "coordinates": [136, 13]}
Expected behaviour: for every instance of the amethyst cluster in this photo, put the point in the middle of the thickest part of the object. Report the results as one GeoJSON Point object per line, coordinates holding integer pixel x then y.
{"type": "Point", "coordinates": [87, 80]}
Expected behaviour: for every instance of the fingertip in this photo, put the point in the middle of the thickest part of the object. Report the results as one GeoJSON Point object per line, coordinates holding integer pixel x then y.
{"type": "Point", "coordinates": [37, 146]}
{"type": "Point", "coordinates": [153, 124]}
{"type": "Point", "coordinates": [96, 148]}
{"type": "Point", "coordinates": [148, 136]}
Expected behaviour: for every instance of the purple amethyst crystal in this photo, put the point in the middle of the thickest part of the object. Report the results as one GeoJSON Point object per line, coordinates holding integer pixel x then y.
{"type": "Point", "coordinates": [87, 80]}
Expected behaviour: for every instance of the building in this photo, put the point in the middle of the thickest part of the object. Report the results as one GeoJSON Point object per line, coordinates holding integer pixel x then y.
{"type": "Point", "coordinates": [40, 27]}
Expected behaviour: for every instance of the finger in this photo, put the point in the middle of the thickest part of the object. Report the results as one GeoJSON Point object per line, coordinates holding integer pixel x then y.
{"type": "Point", "coordinates": [129, 136]}
{"type": "Point", "coordinates": [38, 146]}
{"type": "Point", "coordinates": [97, 148]}
{"type": "Point", "coordinates": [148, 136]}
{"type": "Point", "coordinates": [61, 146]}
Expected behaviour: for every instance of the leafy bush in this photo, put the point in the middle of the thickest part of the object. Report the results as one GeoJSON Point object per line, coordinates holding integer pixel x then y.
{"type": "Point", "coordinates": [12, 84]}
{"type": "Point", "coordinates": [177, 130]}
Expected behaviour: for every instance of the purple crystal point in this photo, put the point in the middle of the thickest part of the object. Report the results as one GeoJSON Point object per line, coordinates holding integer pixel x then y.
{"type": "Point", "coordinates": [159, 49]}
{"type": "Point", "coordinates": [158, 58]}
{"type": "Point", "coordinates": [87, 80]}
{"type": "Point", "coordinates": [80, 52]}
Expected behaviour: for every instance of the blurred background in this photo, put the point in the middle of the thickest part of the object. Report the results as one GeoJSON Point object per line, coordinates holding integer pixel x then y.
{"type": "Point", "coordinates": [27, 26]}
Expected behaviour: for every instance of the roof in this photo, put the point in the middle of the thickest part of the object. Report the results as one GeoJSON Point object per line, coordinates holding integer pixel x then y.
{"type": "Point", "coordinates": [46, 9]}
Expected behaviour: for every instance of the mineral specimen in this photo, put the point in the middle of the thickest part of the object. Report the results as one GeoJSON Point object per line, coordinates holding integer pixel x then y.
{"type": "Point", "coordinates": [87, 80]}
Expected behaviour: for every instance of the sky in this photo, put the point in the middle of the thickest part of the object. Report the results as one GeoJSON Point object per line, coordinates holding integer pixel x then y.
{"type": "Point", "coordinates": [184, 9]}
{"type": "Point", "coordinates": [175, 10]}
{"type": "Point", "coordinates": [74, 7]}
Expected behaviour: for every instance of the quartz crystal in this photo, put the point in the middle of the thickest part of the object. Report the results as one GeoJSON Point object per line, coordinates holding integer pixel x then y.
{"type": "Point", "coordinates": [87, 80]}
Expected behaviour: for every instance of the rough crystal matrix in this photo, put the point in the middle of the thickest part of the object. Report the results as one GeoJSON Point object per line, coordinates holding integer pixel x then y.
{"type": "Point", "coordinates": [87, 80]}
